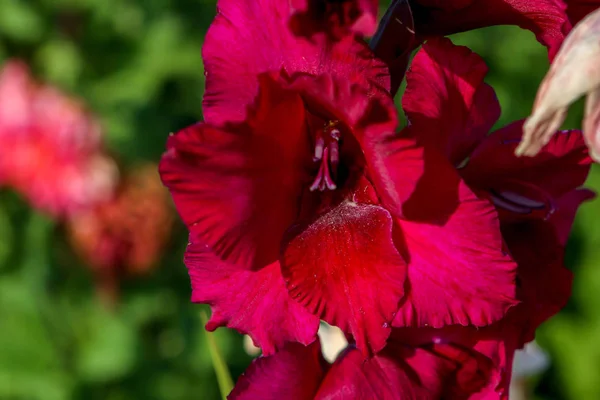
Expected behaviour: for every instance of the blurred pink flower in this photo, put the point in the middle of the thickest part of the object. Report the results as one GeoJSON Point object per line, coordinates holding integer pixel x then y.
{"type": "Point", "coordinates": [53, 151]}
{"type": "Point", "coordinates": [127, 234]}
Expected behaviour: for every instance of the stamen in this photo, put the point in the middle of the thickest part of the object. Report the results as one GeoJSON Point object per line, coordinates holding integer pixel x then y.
{"type": "Point", "coordinates": [327, 173]}
{"type": "Point", "coordinates": [334, 153]}
{"type": "Point", "coordinates": [334, 132]}
{"type": "Point", "coordinates": [319, 145]}
{"type": "Point", "coordinates": [318, 179]}
{"type": "Point", "coordinates": [327, 151]}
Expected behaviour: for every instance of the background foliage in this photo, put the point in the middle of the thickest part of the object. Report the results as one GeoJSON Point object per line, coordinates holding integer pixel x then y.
{"type": "Point", "coordinates": [138, 66]}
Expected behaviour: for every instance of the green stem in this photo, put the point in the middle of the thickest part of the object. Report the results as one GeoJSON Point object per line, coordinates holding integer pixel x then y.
{"type": "Point", "coordinates": [221, 370]}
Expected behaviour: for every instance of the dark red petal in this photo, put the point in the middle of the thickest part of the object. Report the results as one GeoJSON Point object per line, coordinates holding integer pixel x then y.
{"type": "Point", "coordinates": [561, 166]}
{"type": "Point", "coordinates": [396, 167]}
{"type": "Point", "coordinates": [473, 372]}
{"type": "Point", "coordinates": [538, 247]}
{"type": "Point", "coordinates": [252, 302]}
{"type": "Point", "coordinates": [579, 9]}
{"type": "Point", "coordinates": [248, 38]}
{"type": "Point", "coordinates": [293, 373]}
{"type": "Point", "coordinates": [567, 208]}
{"type": "Point", "coordinates": [394, 40]}
{"type": "Point", "coordinates": [335, 18]}
{"type": "Point", "coordinates": [446, 99]}
{"type": "Point", "coordinates": [238, 189]}
{"type": "Point", "coordinates": [484, 356]}
{"type": "Point", "coordinates": [457, 270]}
{"type": "Point", "coordinates": [545, 18]}
{"type": "Point", "coordinates": [405, 373]}
{"type": "Point", "coordinates": [358, 106]}
{"type": "Point", "coordinates": [498, 344]}
{"type": "Point", "coordinates": [344, 268]}
{"type": "Point", "coordinates": [426, 370]}
{"type": "Point", "coordinates": [446, 233]}
{"type": "Point", "coordinates": [380, 377]}
{"type": "Point", "coordinates": [545, 284]}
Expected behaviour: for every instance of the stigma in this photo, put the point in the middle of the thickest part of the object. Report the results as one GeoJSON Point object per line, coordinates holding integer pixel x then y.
{"type": "Point", "coordinates": [327, 154]}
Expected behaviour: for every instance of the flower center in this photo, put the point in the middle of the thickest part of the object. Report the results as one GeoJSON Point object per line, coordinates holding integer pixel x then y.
{"type": "Point", "coordinates": [327, 153]}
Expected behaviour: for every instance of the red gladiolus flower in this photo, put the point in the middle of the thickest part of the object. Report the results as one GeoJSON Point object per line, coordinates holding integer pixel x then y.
{"type": "Point", "coordinates": [335, 18]}
{"type": "Point", "coordinates": [314, 207]}
{"type": "Point", "coordinates": [431, 370]}
{"type": "Point", "coordinates": [451, 107]}
{"type": "Point", "coordinates": [55, 158]}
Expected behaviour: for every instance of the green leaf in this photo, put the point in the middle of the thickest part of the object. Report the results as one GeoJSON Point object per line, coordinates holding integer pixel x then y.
{"type": "Point", "coordinates": [60, 62]}
{"type": "Point", "coordinates": [6, 237]}
{"type": "Point", "coordinates": [107, 345]}
{"type": "Point", "coordinates": [20, 20]}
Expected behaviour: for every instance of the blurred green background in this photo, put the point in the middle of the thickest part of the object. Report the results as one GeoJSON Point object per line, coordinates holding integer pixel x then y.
{"type": "Point", "coordinates": [138, 66]}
